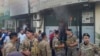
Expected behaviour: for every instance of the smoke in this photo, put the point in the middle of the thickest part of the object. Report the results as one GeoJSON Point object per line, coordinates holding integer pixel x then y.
{"type": "Point", "coordinates": [61, 13]}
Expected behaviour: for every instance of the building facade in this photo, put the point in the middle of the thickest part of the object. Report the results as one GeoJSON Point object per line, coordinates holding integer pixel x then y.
{"type": "Point", "coordinates": [82, 16]}
{"type": "Point", "coordinates": [79, 15]}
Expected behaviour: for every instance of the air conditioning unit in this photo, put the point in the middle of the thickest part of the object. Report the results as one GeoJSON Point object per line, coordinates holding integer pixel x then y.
{"type": "Point", "coordinates": [36, 17]}
{"type": "Point", "coordinates": [37, 21]}
{"type": "Point", "coordinates": [36, 24]}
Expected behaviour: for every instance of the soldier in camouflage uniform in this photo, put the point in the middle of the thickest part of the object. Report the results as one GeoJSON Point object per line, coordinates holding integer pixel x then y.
{"type": "Point", "coordinates": [10, 46]}
{"type": "Point", "coordinates": [57, 45]}
{"type": "Point", "coordinates": [30, 45]}
{"type": "Point", "coordinates": [44, 46]}
{"type": "Point", "coordinates": [88, 49]}
{"type": "Point", "coordinates": [71, 43]}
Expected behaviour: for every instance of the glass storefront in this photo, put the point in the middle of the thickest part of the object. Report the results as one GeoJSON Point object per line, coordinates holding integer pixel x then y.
{"type": "Point", "coordinates": [82, 21]}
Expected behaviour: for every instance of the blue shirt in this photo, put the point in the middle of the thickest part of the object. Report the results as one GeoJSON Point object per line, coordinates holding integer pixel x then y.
{"type": "Point", "coordinates": [3, 38]}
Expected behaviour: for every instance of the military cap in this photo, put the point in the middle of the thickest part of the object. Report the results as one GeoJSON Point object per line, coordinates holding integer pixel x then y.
{"type": "Point", "coordinates": [86, 34]}
{"type": "Point", "coordinates": [69, 29]}
{"type": "Point", "coordinates": [31, 31]}
{"type": "Point", "coordinates": [12, 35]}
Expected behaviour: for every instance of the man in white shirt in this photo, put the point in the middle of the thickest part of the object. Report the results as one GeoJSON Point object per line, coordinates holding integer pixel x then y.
{"type": "Point", "coordinates": [21, 36]}
{"type": "Point", "coordinates": [24, 26]}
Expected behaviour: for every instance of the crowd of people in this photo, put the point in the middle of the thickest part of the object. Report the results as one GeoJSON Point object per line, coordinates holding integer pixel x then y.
{"type": "Point", "coordinates": [30, 43]}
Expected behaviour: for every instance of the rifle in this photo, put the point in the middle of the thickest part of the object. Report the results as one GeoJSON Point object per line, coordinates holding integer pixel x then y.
{"type": "Point", "coordinates": [18, 44]}
{"type": "Point", "coordinates": [31, 44]}
{"type": "Point", "coordinates": [46, 50]}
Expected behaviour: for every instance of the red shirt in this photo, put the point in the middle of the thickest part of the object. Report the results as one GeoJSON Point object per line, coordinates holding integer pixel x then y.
{"type": "Point", "coordinates": [51, 36]}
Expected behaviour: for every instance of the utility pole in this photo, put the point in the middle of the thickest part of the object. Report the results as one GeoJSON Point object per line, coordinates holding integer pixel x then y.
{"type": "Point", "coordinates": [29, 17]}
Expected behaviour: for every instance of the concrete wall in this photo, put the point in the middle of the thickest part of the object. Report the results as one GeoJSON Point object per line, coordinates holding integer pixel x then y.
{"type": "Point", "coordinates": [20, 5]}
{"type": "Point", "coordinates": [34, 6]}
{"type": "Point", "coordinates": [37, 5]}
{"type": "Point", "coordinates": [55, 3]}
{"type": "Point", "coordinates": [97, 23]}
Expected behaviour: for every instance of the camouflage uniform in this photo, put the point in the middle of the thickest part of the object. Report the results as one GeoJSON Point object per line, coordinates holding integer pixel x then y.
{"type": "Point", "coordinates": [31, 45]}
{"type": "Point", "coordinates": [44, 48]}
{"type": "Point", "coordinates": [58, 51]}
{"type": "Point", "coordinates": [8, 48]}
{"type": "Point", "coordinates": [72, 51]}
{"type": "Point", "coordinates": [88, 50]}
